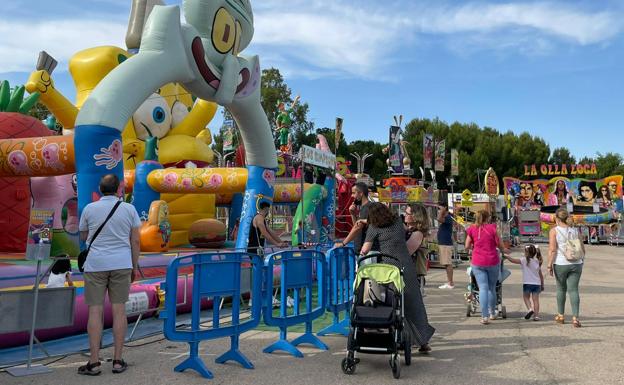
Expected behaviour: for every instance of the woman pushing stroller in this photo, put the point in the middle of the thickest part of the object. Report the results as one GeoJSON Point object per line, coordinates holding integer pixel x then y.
{"type": "Point", "coordinates": [485, 263]}
{"type": "Point", "coordinates": [387, 229]}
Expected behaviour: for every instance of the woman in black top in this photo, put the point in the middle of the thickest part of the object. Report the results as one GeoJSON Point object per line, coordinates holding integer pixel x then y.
{"type": "Point", "coordinates": [388, 229]}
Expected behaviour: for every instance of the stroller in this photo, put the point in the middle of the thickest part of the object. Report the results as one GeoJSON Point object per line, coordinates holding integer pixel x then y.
{"type": "Point", "coordinates": [472, 295]}
{"type": "Point", "coordinates": [377, 315]}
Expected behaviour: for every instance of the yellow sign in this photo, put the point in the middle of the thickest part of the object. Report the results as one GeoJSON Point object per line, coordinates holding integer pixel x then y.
{"type": "Point", "coordinates": [385, 195]}
{"type": "Point", "coordinates": [415, 194]}
{"type": "Point", "coordinates": [467, 198]}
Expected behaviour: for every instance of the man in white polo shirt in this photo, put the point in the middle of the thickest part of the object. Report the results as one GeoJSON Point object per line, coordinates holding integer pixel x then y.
{"type": "Point", "coordinates": [110, 266]}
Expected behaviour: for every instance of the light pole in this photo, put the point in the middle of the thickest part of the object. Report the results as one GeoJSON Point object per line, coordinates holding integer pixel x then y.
{"type": "Point", "coordinates": [451, 182]}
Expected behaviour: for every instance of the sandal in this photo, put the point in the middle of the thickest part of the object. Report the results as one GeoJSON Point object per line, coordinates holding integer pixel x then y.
{"type": "Point", "coordinates": [576, 323]}
{"type": "Point", "coordinates": [424, 349]}
{"type": "Point", "coordinates": [122, 366]}
{"type": "Point", "coordinates": [90, 369]}
{"type": "Point", "coordinates": [560, 319]}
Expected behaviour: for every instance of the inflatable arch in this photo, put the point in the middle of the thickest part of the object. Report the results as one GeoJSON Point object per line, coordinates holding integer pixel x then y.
{"type": "Point", "coordinates": [203, 57]}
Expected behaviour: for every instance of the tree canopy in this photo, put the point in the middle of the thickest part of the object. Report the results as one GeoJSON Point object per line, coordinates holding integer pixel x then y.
{"type": "Point", "coordinates": [478, 147]}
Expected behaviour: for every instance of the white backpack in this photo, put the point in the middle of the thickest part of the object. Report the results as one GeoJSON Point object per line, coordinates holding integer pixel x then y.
{"type": "Point", "coordinates": [573, 249]}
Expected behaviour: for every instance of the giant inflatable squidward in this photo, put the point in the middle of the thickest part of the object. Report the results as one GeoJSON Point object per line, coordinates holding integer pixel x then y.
{"type": "Point", "coordinates": [203, 56]}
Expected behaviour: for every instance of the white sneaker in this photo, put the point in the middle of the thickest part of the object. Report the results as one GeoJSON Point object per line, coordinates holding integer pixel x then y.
{"type": "Point", "coordinates": [276, 302]}
{"type": "Point", "coordinates": [290, 302]}
{"type": "Point", "coordinates": [446, 286]}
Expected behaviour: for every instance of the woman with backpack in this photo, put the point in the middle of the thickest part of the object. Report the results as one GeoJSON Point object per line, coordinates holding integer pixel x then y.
{"type": "Point", "coordinates": [565, 262]}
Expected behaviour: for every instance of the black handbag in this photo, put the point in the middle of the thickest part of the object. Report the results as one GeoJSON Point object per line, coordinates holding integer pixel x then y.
{"type": "Point", "coordinates": [82, 257]}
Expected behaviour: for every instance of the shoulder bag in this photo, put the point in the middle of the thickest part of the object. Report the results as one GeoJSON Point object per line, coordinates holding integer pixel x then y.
{"type": "Point", "coordinates": [82, 257]}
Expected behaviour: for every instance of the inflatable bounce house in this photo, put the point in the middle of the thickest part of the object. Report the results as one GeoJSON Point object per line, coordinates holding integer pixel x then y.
{"type": "Point", "coordinates": [147, 124]}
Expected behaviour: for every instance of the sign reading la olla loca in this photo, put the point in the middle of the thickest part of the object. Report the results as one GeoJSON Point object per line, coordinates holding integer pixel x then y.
{"type": "Point", "coordinates": [560, 169]}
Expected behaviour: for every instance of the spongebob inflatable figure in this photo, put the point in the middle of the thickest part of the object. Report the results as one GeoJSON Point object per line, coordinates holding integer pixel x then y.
{"type": "Point", "coordinates": [170, 114]}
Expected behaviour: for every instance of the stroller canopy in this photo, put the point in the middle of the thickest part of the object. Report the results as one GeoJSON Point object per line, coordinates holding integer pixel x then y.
{"type": "Point", "coordinates": [381, 273]}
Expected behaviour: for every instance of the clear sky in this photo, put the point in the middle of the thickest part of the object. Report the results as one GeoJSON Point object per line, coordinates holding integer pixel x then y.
{"type": "Point", "coordinates": [551, 68]}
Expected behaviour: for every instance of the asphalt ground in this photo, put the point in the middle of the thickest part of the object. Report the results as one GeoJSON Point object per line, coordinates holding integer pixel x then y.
{"type": "Point", "coordinates": [512, 351]}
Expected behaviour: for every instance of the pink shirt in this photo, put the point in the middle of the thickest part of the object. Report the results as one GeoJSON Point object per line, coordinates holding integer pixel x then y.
{"type": "Point", "coordinates": [485, 249]}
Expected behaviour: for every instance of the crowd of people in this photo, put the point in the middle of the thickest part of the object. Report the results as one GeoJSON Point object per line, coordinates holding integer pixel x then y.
{"type": "Point", "coordinates": [377, 229]}
{"type": "Point", "coordinates": [112, 261]}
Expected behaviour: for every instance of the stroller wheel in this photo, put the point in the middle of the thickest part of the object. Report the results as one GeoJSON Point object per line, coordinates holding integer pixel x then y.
{"type": "Point", "coordinates": [504, 311]}
{"type": "Point", "coordinates": [395, 364]}
{"type": "Point", "coordinates": [407, 348]}
{"type": "Point", "coordinates": [468, 310]}
{"type": "Point", "coordinates": [348, 366]}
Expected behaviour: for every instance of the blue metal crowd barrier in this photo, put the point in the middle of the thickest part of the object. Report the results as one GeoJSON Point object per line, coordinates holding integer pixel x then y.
{"type": "Point", "coordinates": [298, 268]}
{"type": "Point", "coordinates": [341, 263]}
{"type": "Point", "coordinates": [215, 275]}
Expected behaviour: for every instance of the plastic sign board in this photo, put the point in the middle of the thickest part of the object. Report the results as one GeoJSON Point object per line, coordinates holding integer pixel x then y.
{"type": "Point", "coordinates": [317, 157]}
{"type": "Point", "coordinates": [467, 198]}
{"type": "Point", "coordinates": [39, 234]}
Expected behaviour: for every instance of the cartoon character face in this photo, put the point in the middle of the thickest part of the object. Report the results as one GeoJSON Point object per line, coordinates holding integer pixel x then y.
{"type": "Point", "coordinates": [586, 193]}
{"type": "Point", "coordinates": [613, 188]}
{"type": "Point", "coordinates": [179, 111]}
{"type": "Point", "coordinates": [269, 176]}
{"type": "Point", "coordinates": [226, 26]}
{"type": "Point", "coordinates": [18, 161]}
{"type": "Point", "coordinates": [50, 153]}
{"type": "Point", "coordinates": [152, 118]}
{"type": "Point", "coordinates": [526, 191]}
{"type": "Point", "coordinates": [225, 29]}
{"type": "Point", "coordinates": [170, 180]}
{"type": "Point", "coordinates": [216, 180]}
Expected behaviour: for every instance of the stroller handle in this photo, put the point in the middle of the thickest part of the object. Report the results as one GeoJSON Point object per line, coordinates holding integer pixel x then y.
{"type": "Point", "coordinates": [365, 257]}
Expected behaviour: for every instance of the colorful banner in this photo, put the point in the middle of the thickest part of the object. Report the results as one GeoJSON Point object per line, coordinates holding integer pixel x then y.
{"type": "Point", "coordinates": [454, 162]}
{"type": "Point", "coordinates": [427, 150]}
{"type": "Point", "coordinates": [394, 150]}
{"type": "Point", "coordinates": [440, 154]}
{"type": "Point", "coordinates": [559, 191]}
{"type": "Point", "coordinates": [40, 234]}
{"type": "Point", "coordinates": [228, 135]}
{"type": "Point", "coordinates": [492, 187]}
{"type": "Point", "coordinates": [338, 134]}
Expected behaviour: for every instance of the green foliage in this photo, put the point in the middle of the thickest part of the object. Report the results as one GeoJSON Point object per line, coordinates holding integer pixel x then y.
{"type": "Point", "coordinates": [375, 166]}
{"type": "Point", "coordinates": [609, 164]}
{"type": "Point", "coordinates": [562, 155]}
{"type": "Point", "coordinates": [478, 149]}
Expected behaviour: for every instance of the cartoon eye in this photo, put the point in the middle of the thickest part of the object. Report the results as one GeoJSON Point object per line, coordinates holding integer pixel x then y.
{"type": "Point", "coordinates": [223, 31]}
{"type": "Point", "coordinates": [179, 111]}
{"type": "Point", "coordinates": [239, 34]}
{"type": "Point", "coordinates": [158, 114]}
{"type": "Point", "coordinates": [152, 118]}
